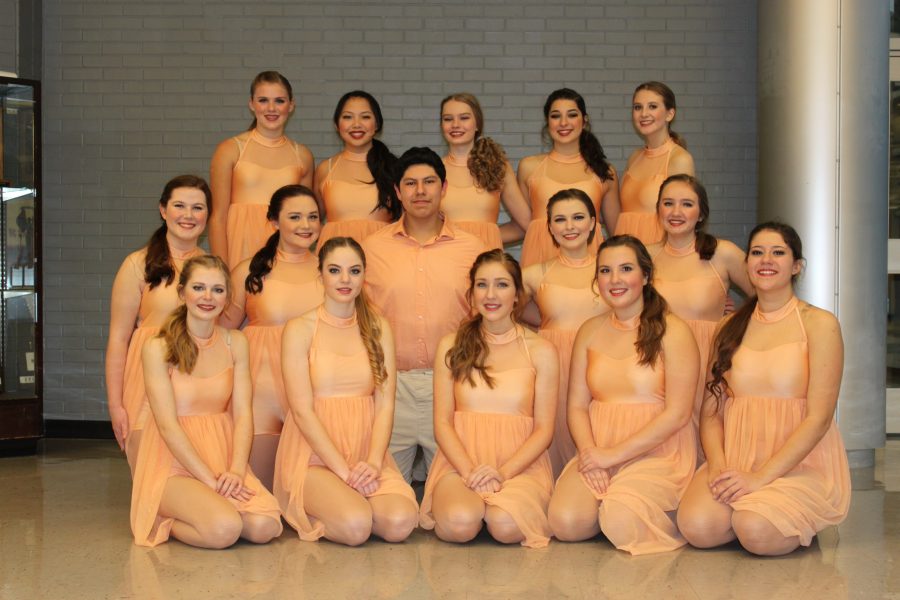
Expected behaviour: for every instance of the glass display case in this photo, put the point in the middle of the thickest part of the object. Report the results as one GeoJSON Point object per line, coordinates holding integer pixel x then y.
{"type": "Point", "coordinates": [21, 421]}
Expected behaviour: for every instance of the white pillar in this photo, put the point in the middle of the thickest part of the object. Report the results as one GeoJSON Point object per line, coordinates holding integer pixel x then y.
{"type": "Point", "coordinates": [823, 165]}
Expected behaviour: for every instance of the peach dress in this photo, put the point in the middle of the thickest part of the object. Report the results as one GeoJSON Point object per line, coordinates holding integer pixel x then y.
{"type": "Point", "coordinates": [290, 289]}
{"type": "Point", "coordinates": [695, 292]}
{"type": "Point", "coordinates": [625, 397]}
{"type": "Point", "coordinates": [768, 403]}
{"type": "Point", "coordinates": [350, 196]}
{"type": "Point", "coordinates": [343, 388]}
{"type": "Point", "coordinates": [202, 403]}
{"type": "Point", "coordinates": [555, 173]}
{"type": "Point", "coordinates": [492, 425]}
{"type": "Point", "coordinates": [471, 208]}
{"type": "Point", "coordinates": [640, 191]}
{"type": "Point", "coordinates": [566, 300]}
{"type": "Point", "coordinates": [262, 167]}
{"type": "Point", "coordinates": [156, 306]}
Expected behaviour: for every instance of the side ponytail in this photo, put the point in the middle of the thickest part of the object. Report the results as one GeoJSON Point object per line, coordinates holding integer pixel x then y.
{"type": "Point", "coordinates": [592, 153]}
{"type": "Point", "coordinates": [261, 264]}
{"type": "Point", "coordinates": [381, 163]}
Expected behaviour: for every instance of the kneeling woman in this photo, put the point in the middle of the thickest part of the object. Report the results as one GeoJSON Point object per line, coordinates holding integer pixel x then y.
{"type": "Point", "coordinates": [495, 387]}
{"type": "Point", "coordinates": [631, 390]}
{"type": "Point", "coordinates": [191, 479]}
{"type": "Point", "coordinates": [777, 471]}
{"type": "Point", "coordinates": [333, 474]}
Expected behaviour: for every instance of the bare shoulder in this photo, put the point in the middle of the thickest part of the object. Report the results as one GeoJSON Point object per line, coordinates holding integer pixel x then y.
{"type": "Point", "coordinates": [819, 322]}
{"type": "Point", "coordinates": [532, 275]}
{"type": "Point", "coordinates": [154, 349]}
{"type": "Point", "coordinates": [590, 327]}
{"type": "Point", "coordinates": [228, 148]}
{"type": "Point", "coordinates": [241, 271]}
{"type": "Point", "coordinates": [301, 326]}
{"type": "Point", "coordinates": [528, 164]}
{"type": "Point", "coordinates": [677, 329]}
{"type": "Point", "coordinates": [681, 161]}
{"type": "Point", "coordinates": [729, 250]}
{"type": "Point", "coordinates": [539, 348]}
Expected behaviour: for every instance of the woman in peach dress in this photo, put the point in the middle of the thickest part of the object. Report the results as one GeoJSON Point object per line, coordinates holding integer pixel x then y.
{"type": "Point", "coordinates": [495, 387]}
{"type": "Point", "coordinates": [192, 480]}
{"type": "Point", "coordinates": [355, 187]}
{"type": "Point", "coordinates": [632, 385]}
{"type": "Point", "coordinates": [143, 295]}
{"type": "Point", "coordinates": [562, 290]}
{"type": "Point", "coordinates": [280, 282]}
{"type": "Point", "coordinates": [664, 153]}
{"type": "Point", "coordinates": [776, 471]}
{"type": "Point", "coordinates": [576, 161]}
{"type": "Point", "coordinates": [479, 177]}
{"type": "Point", "coordinates": [248, 168]}
{"type": "Point", "coordinates": [694, 270]}
{"type": "Point", "coordinates": [333, 474]}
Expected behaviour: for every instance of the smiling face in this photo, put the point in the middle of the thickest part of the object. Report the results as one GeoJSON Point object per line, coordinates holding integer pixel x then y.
{"type": "Point", "coordinates": [620, 280]}
{"type": "Point", "coordinates": [185, 214]}
{"type": "Point", "coordinates": [205, 293]}
{"type": "Point", "coordinates": [570, 224]}
{"type": "Point", "coordinates": [565, 121]}
{"type": "Point", "coordinates": [770, 263]}
{"type": "Point", "coordinates": [271, 104]}
{"type": "Point", "coordinates": [458, 123]}
{"type": "Point", "coordinates": [494, 292]}
{"type": "Point", "coordinates": [356, 124]}
{"type": "Point", "coordinates": [343, 274]}
{"type": "Point", "coordinates": [298, 223]}
{"type": "Point", "coordinates": [678, 208]}
{"type": "Point", "coordinates": [649, 113]}
{"type": "Point", "coordinates": [420, 191]}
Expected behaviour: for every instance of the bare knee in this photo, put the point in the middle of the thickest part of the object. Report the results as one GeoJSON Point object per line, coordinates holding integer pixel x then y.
{"type": "Point", "coordinates": [396, 524]}
{"type": "Point", "coordinates": [458, 524]}
{"type": "Point", "coordinates": [759, 536]}
{"type": "Point", "coordinates": [260, 529]}
{"type": "Point", "coordinates": [502, 527]}
{"type": "Point", "coordinates": [353, 528]}
{"type": "Point", "coordinates": [572, 525]}
{"type": "Point", "coordinates": [704, 528]}
{"type": "Point", "coordinates": [221, 531]}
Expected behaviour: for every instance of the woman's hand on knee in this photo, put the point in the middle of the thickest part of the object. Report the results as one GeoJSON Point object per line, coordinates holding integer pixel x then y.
{"type": "Point", "coordinates": [731, 485]}
{"type": "Point", "coordinates": [480, 476]}
{"type": "Point", "coordinates": [363, 478]}
{"type": "Point", "coordinates": [597, 480]}
{"type": "Point", "coordinates": [231, 485]}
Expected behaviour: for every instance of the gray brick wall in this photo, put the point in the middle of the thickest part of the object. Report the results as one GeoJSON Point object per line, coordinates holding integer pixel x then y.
{"type": "Point", "coordinates": [136, 91]}
{"type": "Point", "coordinates": [9, 20]}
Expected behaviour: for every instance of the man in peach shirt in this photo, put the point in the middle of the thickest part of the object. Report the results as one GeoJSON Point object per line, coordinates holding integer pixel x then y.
{"type": "Point", "coordinates": [417, 275]}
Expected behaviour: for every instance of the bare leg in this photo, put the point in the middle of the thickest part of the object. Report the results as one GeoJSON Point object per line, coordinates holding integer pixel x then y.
{"type": "Point", "coordinates": [757, 535]}
{"type": "Point", "coordinates": [573, 509]}
{"type": "Point", "coordinates": [260, 529]}
{"type": "Point", "coordinates": [703, 521]}
{"type": "Point", "coordinates": [262, 457]}
{"type": "Point", "coordinates": [458, 511]}
{"type": "Point", "coordinates": [501, 526]}
{"type": "Point", "coordinates": [203, 518]}
{"type": "Point", "coordinates": [345, 513]}
{"type": "Point", "coordinates": [393, 517]}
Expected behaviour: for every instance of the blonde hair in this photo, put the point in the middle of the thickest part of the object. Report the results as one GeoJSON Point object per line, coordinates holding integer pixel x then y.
{"type": "Point", "coordinates": [366, 317]}
{"type": "Point", "coordinates": [181, 350]}
{"type": "Point", "coordinates": [487, 160]}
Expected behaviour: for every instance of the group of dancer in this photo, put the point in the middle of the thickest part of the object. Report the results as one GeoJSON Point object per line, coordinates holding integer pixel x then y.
{"type": "Point", "coordinates": [310, 371]}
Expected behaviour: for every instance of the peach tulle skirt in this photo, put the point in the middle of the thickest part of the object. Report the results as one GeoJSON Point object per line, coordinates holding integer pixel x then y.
{"type": "Point", "coordinates": [247, 230]}
{"type": "Point", "coordinates": [211, 436]}
{"type": "Point", "coordinates": [492, 439]}
{"type": "Point", "coordinates": [358, 229]}
{"type": "Point", "coordinates": [647, 487]}
{"type": "Point", "coordinates": [269, 398]}
{"type": "Point", "coordinates": [812, 495]}
{"type": "Point", "coordinates": [562, 448]}
{"type": "Point", "coordinates": [489, 233]}
{"type": "Point", "coordinates": [642, 225]}
{"type": "Point", "coordinates": [134, 395]}
{"type": "Point", "coordinates": [348, 422]}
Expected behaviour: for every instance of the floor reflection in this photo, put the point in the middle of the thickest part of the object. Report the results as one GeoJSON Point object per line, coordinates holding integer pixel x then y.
{"type": "Point", "coordinates": [64, 534]}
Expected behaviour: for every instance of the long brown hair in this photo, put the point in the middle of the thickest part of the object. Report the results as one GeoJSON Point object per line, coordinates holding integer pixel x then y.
{"type": "Point", "coordinates": [588, 144]}
{"type": "Point", "coordinates": [181, 350]}
{"type": "Point", "coordinates": [262, 262]}
{"type": "Point", "coordinates": [731, 334]}
{"type": "Point", "coordinates": [470, 351]}
{"type": "Point", "coordinates": [158, 260]}
{"type": "Point", "coordinates": [668, 98]}
{"type": "Point", "coordinates": [366, 317]}
{"type": "Point", "coordinates": [652, 327]}
{"type": "Point", "coordinates": [705, 244]}
{"type": "Point", "coordinates": [487, 160]}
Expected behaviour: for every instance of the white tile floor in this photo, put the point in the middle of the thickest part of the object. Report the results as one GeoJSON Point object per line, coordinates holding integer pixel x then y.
{"type": "Point", "coordinates": [64, 534]}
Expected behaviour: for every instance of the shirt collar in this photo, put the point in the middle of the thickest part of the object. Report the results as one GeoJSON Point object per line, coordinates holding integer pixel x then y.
{"type": "Point", "coordinates": [447, 232]}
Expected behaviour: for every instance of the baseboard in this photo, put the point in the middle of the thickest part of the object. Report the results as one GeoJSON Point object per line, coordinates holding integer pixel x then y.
{"type": "Point", "coordinates": [85, 430]}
